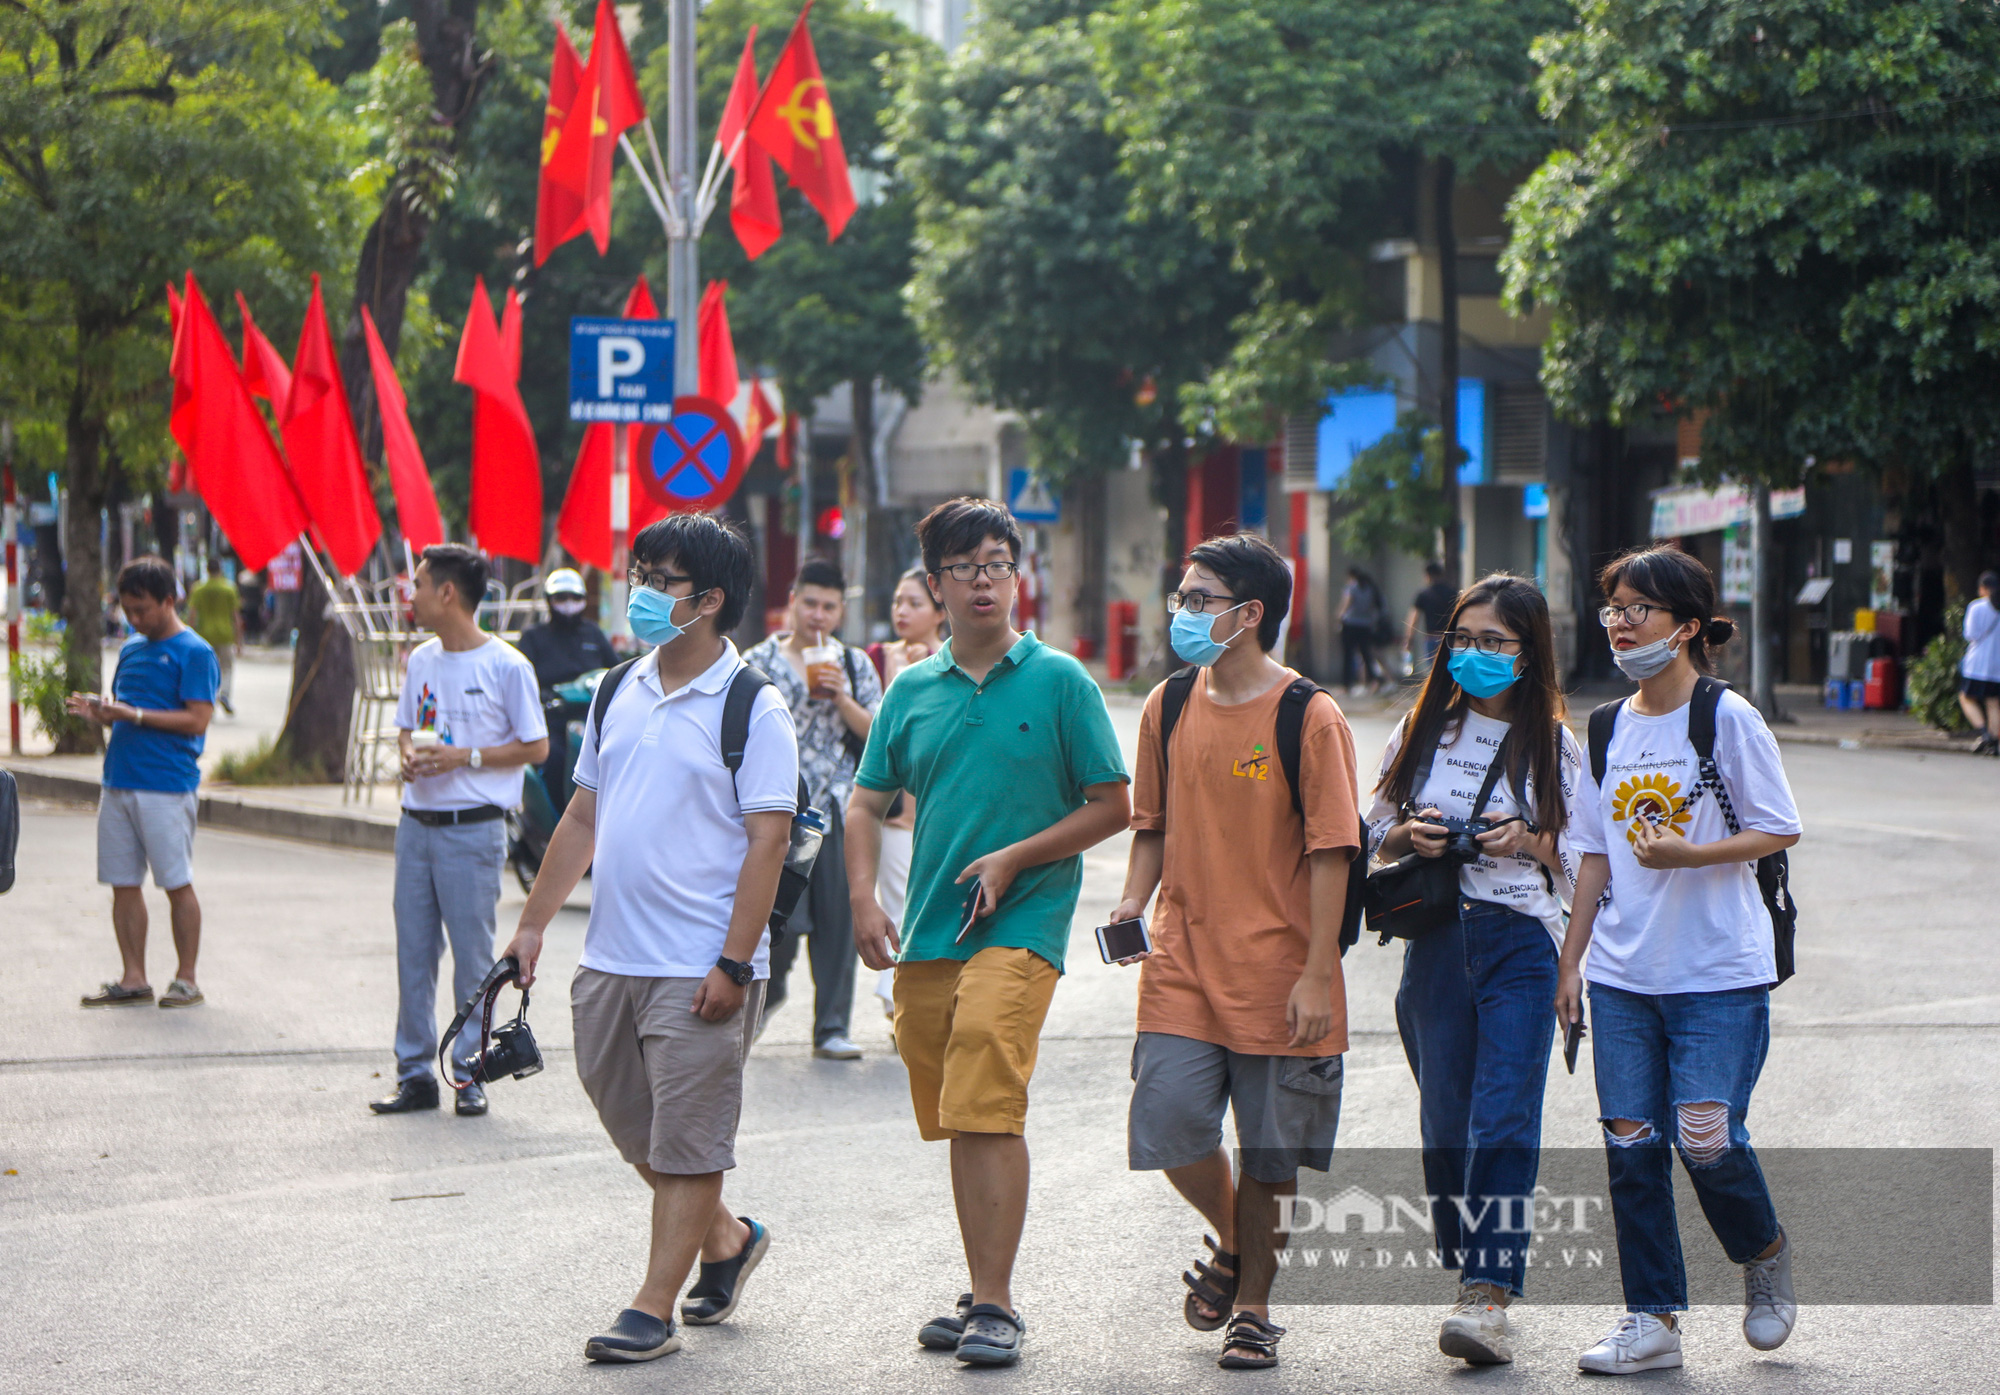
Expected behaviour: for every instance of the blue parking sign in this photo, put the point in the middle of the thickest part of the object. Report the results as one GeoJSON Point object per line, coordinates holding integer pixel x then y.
{"type": "Point", "coordinates": [621, 370]}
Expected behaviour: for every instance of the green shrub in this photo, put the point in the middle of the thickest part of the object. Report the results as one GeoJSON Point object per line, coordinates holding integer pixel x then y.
{"type": "Point", "coordinates": [1933, 682]}
{"type": "Point", "coordinates": [271, 763]}
{"type": "Point", "coordinates": [41, 683]}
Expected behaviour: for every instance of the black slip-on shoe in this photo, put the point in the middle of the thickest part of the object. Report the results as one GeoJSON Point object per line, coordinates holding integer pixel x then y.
{"type": "Point", "coordinates": [471, 1101]}
{"type": "Point", "coordinates": [992, 1336]}
{"type": "Point", "coordinates": [636, 1336]}
{"type": "Point", "coordinates": [720, 1287]}
{"type": "Point", "coordinates": [941, 1333]}
{"type": "Point", "coordinates": [416, 1092]}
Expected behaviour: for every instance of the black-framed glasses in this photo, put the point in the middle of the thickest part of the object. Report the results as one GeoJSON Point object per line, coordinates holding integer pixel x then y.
{"type": "Point", "coordinates": [966, 571]}
{"type": "Point", "coordinates": [1458, 641]}
{"type": "Point", "coordinates": [1199, 602]}
{"type": "Point", "coordinates": [653, 581]}
{"type": "Point", "coordinates": [1634, 615]}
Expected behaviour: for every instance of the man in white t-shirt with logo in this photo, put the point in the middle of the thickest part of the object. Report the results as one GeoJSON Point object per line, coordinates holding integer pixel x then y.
{"type": "Point", "coordinates": [470, 718]}
{"type": "Point", "coordinates": [685, 856]}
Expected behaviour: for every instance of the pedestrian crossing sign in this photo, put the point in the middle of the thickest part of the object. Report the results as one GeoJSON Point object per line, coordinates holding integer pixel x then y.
{"type": "Point", "coordinates": [1030, 499]}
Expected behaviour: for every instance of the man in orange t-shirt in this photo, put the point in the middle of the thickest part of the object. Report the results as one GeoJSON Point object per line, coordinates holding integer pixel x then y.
{"type": "Point", "coordinates": [1241, 1001]}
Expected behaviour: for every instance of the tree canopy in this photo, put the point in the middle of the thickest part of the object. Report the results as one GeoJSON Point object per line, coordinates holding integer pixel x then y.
{"type": "Point", "coordinates": [1782, 213]}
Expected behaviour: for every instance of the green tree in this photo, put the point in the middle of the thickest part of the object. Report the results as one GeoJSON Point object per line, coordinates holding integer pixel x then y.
{"type": "Point", "coordinates": [139, 138]}
{"type": "Point", "coordinates": [1784, 214]}
{"type": "Point", "coordinates": [1393, 495]}
{"type": "Point", "coordinates": [1293, 131]}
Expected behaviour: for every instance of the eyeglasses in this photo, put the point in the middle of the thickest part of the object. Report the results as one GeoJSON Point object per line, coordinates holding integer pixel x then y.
{"type": "Point", "coordinates": [1634, 615]}
{"type": "Point", "coordinates": [966, 571]}
{"type": "Point", "coordinates": [653, 581]}
{"type": "Point", "coordinates": [1458, 641]}
{"type": "Point", "coordinates": [1198, 602]}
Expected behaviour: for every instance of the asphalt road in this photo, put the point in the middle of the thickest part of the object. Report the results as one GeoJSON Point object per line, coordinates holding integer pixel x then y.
{"type": "Point", "coordinates": [199, 1201]}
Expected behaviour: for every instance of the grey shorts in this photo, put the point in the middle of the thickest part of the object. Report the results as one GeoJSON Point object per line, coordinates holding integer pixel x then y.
{"type": "Point", "coordinates": [1287, 1107]}
{"type": "Point", "coordinates": [668, 1085]}
{"type": "Point", "coordinates": [137, 827]}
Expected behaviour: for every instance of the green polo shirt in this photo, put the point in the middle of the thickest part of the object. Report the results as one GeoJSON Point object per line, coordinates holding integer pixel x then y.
{"type": "Point", "coordinates": [990, 764]}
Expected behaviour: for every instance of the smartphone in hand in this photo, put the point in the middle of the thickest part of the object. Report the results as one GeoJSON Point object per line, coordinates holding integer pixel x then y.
{"type": "Point", "coordinates": [970, 914]}
{"type": "Point", "coordinates": [1573, 1036]}
{"type": "Point", "coordinates": [1123, 939]}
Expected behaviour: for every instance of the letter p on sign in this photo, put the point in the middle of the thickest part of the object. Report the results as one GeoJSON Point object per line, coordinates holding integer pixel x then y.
{"type": "Point", "coordinates": [618, 356]}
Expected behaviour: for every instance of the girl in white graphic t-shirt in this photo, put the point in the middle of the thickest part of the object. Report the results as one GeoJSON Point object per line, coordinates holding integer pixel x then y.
{"type": "Point", "coordinates": [1680, 960]}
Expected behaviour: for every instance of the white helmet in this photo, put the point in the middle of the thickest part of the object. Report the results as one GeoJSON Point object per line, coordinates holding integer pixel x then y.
{"type": "Point", "coordinates": [563, 581]}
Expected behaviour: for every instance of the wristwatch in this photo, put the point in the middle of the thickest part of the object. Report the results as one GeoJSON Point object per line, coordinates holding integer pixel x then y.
{"type": "Point", "coordinates": [740, 974]}
{"type": "Point", "coordinates": [474, 759]}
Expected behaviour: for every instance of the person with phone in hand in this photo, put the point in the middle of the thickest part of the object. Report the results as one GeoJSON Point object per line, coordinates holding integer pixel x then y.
{"type": "Point", "coordinates": [1009, 753]}
{"type": "Point", "coordinates": [1486, 741]}
{"type": "Point", "coordinates": [1241, 1001]}
{"type": "Point", "coordinates": [685, 854]}
{"type": "Point", "coordinates": [1679, 947]}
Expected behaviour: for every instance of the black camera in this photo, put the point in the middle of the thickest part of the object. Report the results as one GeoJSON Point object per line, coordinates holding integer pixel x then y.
{"type": "Point", "coordinates": [508, 1049]}
{"type": "Point", "coordinates": [1461, 842]}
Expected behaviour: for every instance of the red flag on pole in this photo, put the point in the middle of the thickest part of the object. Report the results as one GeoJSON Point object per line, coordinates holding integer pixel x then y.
{"type": "Point", "coordinates": [177, 473]}
{"type": "Point", "coordinates": [416, 505]}
{"type": "Point", "coordinates": [758, 417]}
{"type": "Point", "coordinates": [794, 121]}
{"type": "Point", "coordinates": [584, 527]}
{"type": "Point", "coordinates": [716, 362]}
{"type": "Point", "coordinates": [506, 509]}
{"type": "Point", "coordinates": [235, 464]}
{"type": "Point", "coordinates": [607, 104]}
{"type": "Point", "coordinates": [325, 457]}
{"type": "Point", "coordinates": [753, 196]}
{"type": "Point", "coordinates": [558, 208]}
{"type": "Point", "coordinates": [264, 371]}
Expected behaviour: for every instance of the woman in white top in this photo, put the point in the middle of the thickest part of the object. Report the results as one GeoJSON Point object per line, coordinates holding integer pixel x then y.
{"type": "Point", "coordinates": [1681, 959]}
{"type": "Point", "coordinates": [1473, 1005]}
{"type": "Point", "coordinates": [1979, 670]}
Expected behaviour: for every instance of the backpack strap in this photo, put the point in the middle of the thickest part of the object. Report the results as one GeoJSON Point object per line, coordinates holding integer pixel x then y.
{"type": "Point", "coordinates": [1291, 734]}
{"type": "Point", "coordinates": [1172, 702]}
{"type": "Point", "coordinates": [607, 689]}
{"type": "Point", "coordinates": [1702, 706]}
{"type": "Point", "coordinates": [1602, 719]}
{"type": "Point", "coordinates": [743, 689]}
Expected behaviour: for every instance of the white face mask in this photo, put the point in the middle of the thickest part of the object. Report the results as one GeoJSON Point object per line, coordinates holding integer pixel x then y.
{"type": "Point", "coordinates": [1645, 661]}
{"type": "Point", "coordinates": [568, 606]}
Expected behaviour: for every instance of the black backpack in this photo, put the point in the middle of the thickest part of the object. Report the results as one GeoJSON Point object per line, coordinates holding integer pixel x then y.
{"type": "Point", "coordinates": [1291, 731]}
{"type": "Point", "coordinates": [10, 828]}
{"type": "Point", "coordinates": [1774, 874]}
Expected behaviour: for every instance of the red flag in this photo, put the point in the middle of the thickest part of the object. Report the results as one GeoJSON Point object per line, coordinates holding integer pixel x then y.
{"type": "Point", "coordinates": [558, 208]}
{"type": "Point", "coordinates": [788, 444]}
{"type": "Point", "coordinates": [607, 104]}
{"type": "Point", "coordinates": [584, 527]}
{"type": "Point", "coordinates": [264, 371]}
{"type": "Point", "coordinates": [715, 374]}
{"type": "Point", "coordinates": [177, 473]}
{"type": "Point", "coordinates": [758, 417]}
{"type": "Point", "coordinates": [794, 121]}
{"type": "Point", "coordinates": [506, 510]}
{"type": "Point", "coordinates": [753, 197]}
{"type": "Point", "coordinates": [235, 464]}
{"type": "Point", "coordinates": [325, 457]}
{"type": "Point", "coordinates": [416, 505]}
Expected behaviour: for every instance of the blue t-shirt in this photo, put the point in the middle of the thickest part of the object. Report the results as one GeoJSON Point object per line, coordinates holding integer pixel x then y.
{"type": "Point", "coordinates": [159, 675]}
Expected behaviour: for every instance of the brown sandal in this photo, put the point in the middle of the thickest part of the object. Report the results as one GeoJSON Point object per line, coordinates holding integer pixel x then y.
{"type": "Point", "coordinates": [1209, 1287]}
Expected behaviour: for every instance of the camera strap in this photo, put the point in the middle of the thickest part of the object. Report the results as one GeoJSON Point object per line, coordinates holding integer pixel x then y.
{"type": "Point", "coordinates": [482, 1000]}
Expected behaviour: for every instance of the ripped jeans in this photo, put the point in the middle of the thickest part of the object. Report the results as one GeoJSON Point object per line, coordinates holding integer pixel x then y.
{"type": "Point", "coordinates": [1682, 1066]}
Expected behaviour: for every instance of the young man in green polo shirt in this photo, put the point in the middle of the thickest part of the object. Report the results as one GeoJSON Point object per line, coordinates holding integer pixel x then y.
{"type": "Point", "coordinates": [1006, 747]}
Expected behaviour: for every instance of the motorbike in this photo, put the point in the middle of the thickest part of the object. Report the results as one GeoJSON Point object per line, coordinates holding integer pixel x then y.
{"type": "Point", "coordinates": [546, 788]}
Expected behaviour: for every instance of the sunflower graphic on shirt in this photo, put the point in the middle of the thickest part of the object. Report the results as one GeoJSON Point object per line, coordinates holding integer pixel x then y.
{"type": "Point", "coordinates": [1654, 798]}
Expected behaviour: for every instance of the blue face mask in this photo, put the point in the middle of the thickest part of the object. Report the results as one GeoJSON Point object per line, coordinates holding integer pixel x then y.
{"type": "Point", "coordinates": [651, 614]}
{"type": "Point", "coordinates": [1484, 675]}
{"type": "Point", "coordinates": [1193, 639]}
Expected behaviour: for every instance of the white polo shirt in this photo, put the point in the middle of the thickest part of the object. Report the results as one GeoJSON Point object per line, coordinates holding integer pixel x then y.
{"type": "Point", "coordinates": [670, 835]}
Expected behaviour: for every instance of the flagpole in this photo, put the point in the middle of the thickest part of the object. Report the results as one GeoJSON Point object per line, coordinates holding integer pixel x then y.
{"type": "Point", "coordinates": [668, 221]}
{"type": "Point", "coordinates": [683, 268]}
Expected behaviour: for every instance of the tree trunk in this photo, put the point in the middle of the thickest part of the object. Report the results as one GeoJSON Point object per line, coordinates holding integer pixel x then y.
{"type": "Point", "coordinates": [83, 551]}
{"type": "Point", "coordinates": [1447, 240]}
{"type": "Point", "coordinates": [1958, 505]}
{"type": "Point", "coordinates": [322, 707]}
{"type": "Point", "coordinates": [1170, 490]}
{"type": "Point", "coordinates": [860, 496]}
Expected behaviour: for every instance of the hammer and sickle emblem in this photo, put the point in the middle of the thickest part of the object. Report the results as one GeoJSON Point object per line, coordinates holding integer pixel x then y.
{"type": "Point", "coordinates": [811, 120]}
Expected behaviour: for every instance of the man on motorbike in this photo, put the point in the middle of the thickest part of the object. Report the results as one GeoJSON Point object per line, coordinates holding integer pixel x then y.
{"type": "Point", "coordinates": [564, 647]}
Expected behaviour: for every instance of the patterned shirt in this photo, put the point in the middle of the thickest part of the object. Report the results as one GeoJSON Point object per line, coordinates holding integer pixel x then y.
{"type": "Point", "coordinates": [824, 760]}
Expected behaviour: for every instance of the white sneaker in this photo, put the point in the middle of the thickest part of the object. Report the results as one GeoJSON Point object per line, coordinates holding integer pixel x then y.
{"type": "Point", "coordinates": [1477, 1329]}
{"type": "Point", "coordinates": [1770, 1309]}
{"type": "Point", "coordinates": [1640, 1342]}
{"type": "Point", "coordinates": [838, 1049]}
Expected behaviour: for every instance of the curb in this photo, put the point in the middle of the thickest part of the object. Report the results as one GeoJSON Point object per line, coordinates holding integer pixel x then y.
{"type": "Point", "coordinates": [1939, 745]}
{"type": "Point", "coordinates": [227, 809]}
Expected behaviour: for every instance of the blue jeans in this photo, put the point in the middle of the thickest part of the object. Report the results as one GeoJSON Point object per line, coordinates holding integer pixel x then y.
{"type": "Point", "coordinates": [447, 887]}
{"type": "Point", "coordinates": [1476, 1012]}
{"type": "Point", "coordinates": [1654, 1055]}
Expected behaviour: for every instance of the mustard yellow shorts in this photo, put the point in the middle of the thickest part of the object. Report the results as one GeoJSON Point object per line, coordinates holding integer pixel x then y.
{"type": "Point", "coordinates": [967, 1032]}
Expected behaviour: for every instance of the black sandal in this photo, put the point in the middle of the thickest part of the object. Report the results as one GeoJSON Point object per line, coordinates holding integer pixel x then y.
{"type": "Point", "coordinates": [1249, 1332]}
{"type": "Point", "coordinates": [1210, 1287]}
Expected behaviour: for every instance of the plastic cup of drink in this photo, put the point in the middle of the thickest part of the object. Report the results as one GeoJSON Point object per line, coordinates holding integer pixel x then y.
{"type": "Point", "coordinates": [425, 739]}
{"type": "Point", "coordinates": [822, 666]}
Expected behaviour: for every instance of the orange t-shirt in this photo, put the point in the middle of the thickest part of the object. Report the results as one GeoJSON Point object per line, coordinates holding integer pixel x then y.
{"type": "Point", "coordinates": [1231, 923]}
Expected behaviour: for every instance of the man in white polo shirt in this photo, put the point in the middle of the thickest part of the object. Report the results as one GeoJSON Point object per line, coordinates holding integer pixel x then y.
{"type": "Point", "coordinates": [686, 861]}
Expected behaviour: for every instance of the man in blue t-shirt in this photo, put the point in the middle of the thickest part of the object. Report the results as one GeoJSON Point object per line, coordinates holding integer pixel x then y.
{"type": "Point", "coordinates": [162, 696]}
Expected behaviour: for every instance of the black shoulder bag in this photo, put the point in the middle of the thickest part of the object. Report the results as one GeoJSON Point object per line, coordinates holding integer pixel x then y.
{"type": "Point", "coordinates": [1416, 894]}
